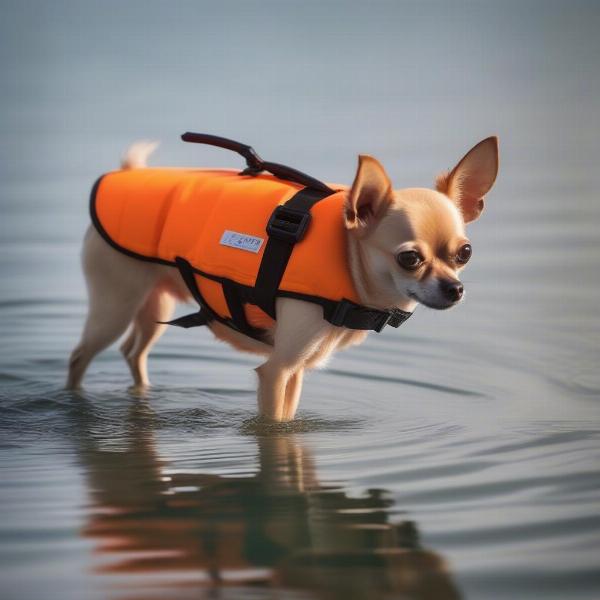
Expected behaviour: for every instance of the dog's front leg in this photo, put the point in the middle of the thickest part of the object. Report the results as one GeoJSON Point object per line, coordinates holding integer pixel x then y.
{"type": "Point", "coordinates": [299, 332]}
{"type": "Point", "coordinates": [292, 395]}
{"type": "Point", "coordinates": [278, 391]}
{"type": "Point", "coordinates": [272, 382]}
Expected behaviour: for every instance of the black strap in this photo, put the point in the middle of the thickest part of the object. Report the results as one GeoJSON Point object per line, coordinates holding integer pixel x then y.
{"type": "Point", "coordinates": [197, 319]}
{"type": "Point", "coordinates": [286, 227]}
{"type": "Point", "coordinates": [344, 313]}
{"type": "Point", "coordinates": [205, 314]}
{"type": "Point", "coordinates": [189, 278]}
{"type": "Point", "coordinates": [355, 316]}
{"type": "Point", "coordinates": [234, 296]}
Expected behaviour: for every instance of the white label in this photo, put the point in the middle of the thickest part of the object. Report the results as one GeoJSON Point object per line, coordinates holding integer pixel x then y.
{"type": "Point", "coordinates": [241, 241]}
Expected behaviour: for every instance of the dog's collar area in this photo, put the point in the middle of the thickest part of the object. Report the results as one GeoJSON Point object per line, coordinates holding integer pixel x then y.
{"type": "Point", "coordinates": [354, 316]}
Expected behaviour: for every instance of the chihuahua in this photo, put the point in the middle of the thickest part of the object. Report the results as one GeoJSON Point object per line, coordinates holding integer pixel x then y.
{"type": "Point", "coordinates": [405, 247]}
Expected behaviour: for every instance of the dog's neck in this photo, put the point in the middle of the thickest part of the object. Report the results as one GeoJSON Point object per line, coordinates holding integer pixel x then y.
{"type": "Point", "coordinates": [373, 289]}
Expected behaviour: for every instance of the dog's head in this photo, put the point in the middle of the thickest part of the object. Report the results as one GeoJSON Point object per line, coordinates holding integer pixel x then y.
{"type": "Point", "coordinates": [411, 243]}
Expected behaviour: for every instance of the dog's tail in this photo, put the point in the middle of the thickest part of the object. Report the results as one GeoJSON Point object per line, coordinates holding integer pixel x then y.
{"type": "Point", "coordinates": [137, 154]}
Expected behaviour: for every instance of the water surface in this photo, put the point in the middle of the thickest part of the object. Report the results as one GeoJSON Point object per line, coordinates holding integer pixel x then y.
{"type": "Point", "coordinates": [456, 457]}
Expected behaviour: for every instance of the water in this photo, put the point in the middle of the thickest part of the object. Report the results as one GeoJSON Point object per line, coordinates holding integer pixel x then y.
{"type": "Point", "coordinates": [456, 457]}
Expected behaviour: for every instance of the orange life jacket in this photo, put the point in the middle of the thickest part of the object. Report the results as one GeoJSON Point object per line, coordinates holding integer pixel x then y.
{"type": "Point", "coordinates": [235, 240]}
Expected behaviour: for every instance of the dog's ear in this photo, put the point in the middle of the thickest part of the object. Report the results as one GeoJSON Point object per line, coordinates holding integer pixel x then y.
{"type": "Point", "coordinates": [370, 195]}
{"type": "Point", "coordinates": [472, 178]}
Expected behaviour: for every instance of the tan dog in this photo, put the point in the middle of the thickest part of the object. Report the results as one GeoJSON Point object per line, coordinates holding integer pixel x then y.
{"type": "Point", "coordinates": [404, 247]}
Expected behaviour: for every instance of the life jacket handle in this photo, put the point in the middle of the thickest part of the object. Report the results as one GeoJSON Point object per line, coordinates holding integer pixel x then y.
{"type": "Point", "coordinates": [254, 163]}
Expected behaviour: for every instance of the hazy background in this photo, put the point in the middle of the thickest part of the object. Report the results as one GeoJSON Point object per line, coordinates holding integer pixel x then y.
{"type": "Point", "coordinates": [481, 422]}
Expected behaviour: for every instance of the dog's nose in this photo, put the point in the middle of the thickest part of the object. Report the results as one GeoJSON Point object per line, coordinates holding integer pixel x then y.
{"type": "Point", "coordinates": [452, 290]}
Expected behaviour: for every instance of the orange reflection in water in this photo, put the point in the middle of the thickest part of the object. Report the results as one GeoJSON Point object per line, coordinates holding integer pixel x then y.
{"type": "Point", "coordinates": [159, 535]}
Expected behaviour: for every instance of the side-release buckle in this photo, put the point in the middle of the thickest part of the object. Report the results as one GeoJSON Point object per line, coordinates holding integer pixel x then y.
{"type": "Point", "coordinates": [347, 314]}
{"type": "Point", "coordinates": [288, 224]}
{"type": "Point", "coordinates": [398, 317]}
{"type": "Point", "coordinates": [338, 317]}
{"type": "Point", "coordinates": [350, 315]}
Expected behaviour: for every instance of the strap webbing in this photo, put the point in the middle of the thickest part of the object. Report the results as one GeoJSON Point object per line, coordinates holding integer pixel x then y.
{"type": "Point", "coordinates": [187, 274]}
{"type": "Point", "coordinates": [286, 227]}
{"type": "Point", "coordinates": [235, 299]}
{"type": "Point", "coordinates": [234, 296]}
{"type": "Point", "coordinates": [355, 316]}
{"type": "Point", "coordinates": [197, 319]}
{"type": "Point", "coordinates": [205, 314]}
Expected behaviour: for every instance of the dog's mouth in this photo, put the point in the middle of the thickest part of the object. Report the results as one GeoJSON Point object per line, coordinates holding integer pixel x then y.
{"type": "Point", "coordinates": [429, 304]}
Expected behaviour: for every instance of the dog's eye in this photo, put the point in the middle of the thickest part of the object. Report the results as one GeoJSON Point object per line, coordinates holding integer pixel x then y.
{"type": "Point", "coordinates": [464, 254]}
{"type": "Point", "coordinates": [409, 260]}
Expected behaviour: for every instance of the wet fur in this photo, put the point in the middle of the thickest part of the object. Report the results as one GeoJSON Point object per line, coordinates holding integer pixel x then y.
{"type": "Point", "coordinates": [127, 294]}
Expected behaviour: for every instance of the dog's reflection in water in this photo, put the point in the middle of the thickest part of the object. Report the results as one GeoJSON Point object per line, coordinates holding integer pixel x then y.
{"type": "Point", "coordinates": [280, 529]}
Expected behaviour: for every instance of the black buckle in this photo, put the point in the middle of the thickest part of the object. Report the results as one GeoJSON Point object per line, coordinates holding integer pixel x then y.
{"type": "Point", "coordinates": [397, 317]}
{"type": "Point", "coordinates": [288, 224]}
{"type": "Point", "coordinates": [365, 318]}
{"type": "Point", "coordinates": [371, 319]}
{"type": "Point", "coordinates": [338, 317]}
{"type": "Point", "coordinates": [394, 318]}
{"type": "Point", "coordinates": [382, 318]}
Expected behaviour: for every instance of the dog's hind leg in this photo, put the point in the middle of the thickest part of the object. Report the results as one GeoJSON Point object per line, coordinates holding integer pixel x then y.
{"type": "Point", "coordinates": [105, 324]}
{"type": "Point", "coordinates": [116, 288]}
{"type": "Point", "coordinates": [146, 330]}
{"type": "Point", "coordinates": [129, 342]}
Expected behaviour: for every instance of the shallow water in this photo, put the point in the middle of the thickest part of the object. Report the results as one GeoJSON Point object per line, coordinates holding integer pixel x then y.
{"type": "Point", "coordinates": [456, 457]}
